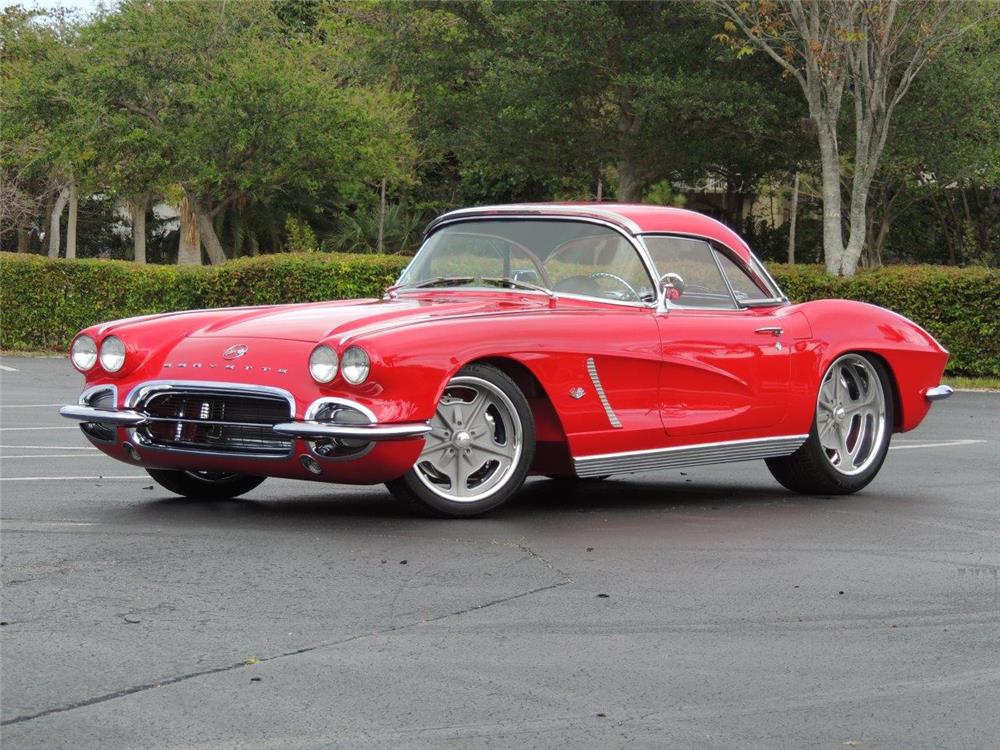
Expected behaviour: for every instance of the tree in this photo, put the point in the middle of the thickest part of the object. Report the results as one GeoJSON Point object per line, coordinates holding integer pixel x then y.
{"type": "Point", "coordinates": [869, 50]}
{"type": "Point", "coordinates": [542, 99]}
{"type": "Point", "coordinates": [223, 101]}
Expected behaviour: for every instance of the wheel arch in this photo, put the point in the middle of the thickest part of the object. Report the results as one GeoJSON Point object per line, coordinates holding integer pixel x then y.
{"type": "Point", "coordinates": [552, 445]}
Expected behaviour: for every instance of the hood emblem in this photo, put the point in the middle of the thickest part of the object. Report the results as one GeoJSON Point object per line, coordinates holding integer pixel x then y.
{"type": "Point", "coordinates": [235, 351]}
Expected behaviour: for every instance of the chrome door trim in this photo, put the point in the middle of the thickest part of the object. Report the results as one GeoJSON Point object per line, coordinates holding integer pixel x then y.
{"type": "Point", "coordinates": [657, 459]}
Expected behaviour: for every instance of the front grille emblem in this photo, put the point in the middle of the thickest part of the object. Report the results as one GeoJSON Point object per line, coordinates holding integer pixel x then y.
{"type": "Point", "coordinates": [235, 351]}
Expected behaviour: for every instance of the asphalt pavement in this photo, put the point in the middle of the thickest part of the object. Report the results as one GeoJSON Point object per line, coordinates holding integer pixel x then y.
{"type": "Point", "coordinates": [704, 608]}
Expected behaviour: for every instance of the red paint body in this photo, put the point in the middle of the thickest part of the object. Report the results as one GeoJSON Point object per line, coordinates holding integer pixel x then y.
{"type": "Point", "coordinates": [675, 377]}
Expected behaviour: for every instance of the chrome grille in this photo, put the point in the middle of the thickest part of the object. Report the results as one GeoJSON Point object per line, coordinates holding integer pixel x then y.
{"type": "Point", "coordinates": [215, 421]}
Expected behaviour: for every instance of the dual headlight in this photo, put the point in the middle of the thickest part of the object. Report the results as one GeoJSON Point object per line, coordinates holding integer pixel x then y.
{"type": "Point", "coordinates": [354, 365]}
{"type": "Point", "coordinates": [85, 354]}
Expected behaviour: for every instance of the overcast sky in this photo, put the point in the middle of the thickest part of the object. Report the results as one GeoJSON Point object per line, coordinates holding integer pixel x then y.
{"type": "Point", "coordinates": [84, 6]}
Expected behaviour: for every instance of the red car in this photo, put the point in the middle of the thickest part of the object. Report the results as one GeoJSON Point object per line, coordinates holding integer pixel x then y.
{"type": "Point", "coordinates": [571, 341]}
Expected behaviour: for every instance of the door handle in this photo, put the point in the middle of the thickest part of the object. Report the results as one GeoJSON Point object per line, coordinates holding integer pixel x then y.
{"type": "Point", "coordinates": [772, 330]}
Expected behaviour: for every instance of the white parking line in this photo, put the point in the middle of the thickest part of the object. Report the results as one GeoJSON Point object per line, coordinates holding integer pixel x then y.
{"type": "Point", "coordinates": [945, 444]}
{"type": "Point", "coordinates": [51, 455]}
{"type": "Point", "coordinates": [8, 369]}
{"type": "Point", "coordinates": [60, 479]}
{"type": "Point", "coordinates": [37, 429]}
{"type": "Point", "coordinates": [28, 406]}
{"type": "Point", "coordinates": [52, 447]}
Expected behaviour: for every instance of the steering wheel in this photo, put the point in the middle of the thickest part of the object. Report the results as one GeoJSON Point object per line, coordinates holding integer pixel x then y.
{"type": "Point", "coordinates": [620, 280]}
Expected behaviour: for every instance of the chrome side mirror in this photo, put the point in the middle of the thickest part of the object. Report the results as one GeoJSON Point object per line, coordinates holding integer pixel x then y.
{"type": "Point", "coordinates": [672, 282]}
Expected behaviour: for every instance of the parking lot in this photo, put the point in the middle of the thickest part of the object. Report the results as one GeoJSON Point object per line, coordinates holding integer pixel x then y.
{"type": "Point", "coordinates": [704, 608]}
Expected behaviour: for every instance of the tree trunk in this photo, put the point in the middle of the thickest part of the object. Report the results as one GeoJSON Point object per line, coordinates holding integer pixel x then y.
{"type": "Point", "coordinates": [74, 207]}
{"type": "Point", "coordinates": [833, 234]}
{"type": "Point", "coordinates": [630, 185]}
{"type": "Point", "coordinates": [138, 205]}
{"type": "Point", "coordinates": [793, 216]}
{"type": "Point", "coordinates": [189, 250]}
{"type": "Point", "coordinates": [54, 222]}
{"type": "Point", "coordinates": [209, 238]}
{"type": "Point", "coordinates": [380, 242]}
{"type": "Point", "coordinates": [23, 239]}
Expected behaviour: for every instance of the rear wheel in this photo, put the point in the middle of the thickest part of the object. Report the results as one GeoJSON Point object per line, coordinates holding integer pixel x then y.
{"type": "Point", "coordinates": [205, 485]}
{"type": "Point", "coordinates": [479, 449]}
{"type": "Point", "coordinates": [850, 433]}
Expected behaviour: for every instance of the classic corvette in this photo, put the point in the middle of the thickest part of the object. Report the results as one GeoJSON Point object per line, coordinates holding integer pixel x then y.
{"type": "Point", "coordinates": [573, 341]}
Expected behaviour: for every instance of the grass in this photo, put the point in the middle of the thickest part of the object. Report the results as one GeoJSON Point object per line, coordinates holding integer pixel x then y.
{"type": "Point", "coordinates": [972, 384]}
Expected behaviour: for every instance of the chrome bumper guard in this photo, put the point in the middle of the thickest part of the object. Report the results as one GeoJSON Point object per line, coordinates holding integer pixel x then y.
{"type": "Point", "coordinates": [939, 392]}
{"type": "Point", "coordinates": [372, 433]}
{"type": "Point", "coordinates": [122, 417]}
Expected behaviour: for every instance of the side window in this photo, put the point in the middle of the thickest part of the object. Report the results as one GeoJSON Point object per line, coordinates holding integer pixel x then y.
{"type": "Point", "coordinates": [744, 287]}
{"type": "Point", "coordinates": [693, 261]}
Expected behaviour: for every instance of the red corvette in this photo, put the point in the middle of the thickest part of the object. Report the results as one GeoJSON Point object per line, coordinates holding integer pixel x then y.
{"type": "Point", "coordinates": [572, 341]}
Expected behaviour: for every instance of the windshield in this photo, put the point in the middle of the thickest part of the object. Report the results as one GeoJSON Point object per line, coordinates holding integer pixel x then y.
{"type": "Point", "coordinates": [567, 257]}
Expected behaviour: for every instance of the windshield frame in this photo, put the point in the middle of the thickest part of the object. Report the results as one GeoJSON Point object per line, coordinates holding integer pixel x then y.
{"type": "Point", "coordinates": [638, 246]}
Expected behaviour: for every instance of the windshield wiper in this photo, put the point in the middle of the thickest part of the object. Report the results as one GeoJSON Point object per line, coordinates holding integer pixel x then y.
{"type": "Point", "coordinates": [436, 281]}
{"type": "Point", "coordinates": [517, 283]}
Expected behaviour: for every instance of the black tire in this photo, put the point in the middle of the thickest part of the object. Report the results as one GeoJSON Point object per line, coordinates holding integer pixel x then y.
{"type": "Point", "coordinates": [417, 488]}
{"type": "Point", "coordinates": [810, 471]}
{"type": "Point", "coordinates": [205, 485]}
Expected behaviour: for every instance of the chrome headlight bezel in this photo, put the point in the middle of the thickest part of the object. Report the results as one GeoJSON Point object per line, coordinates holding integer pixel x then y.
{"type": "Point", "coordinates": [83, 353]}
{"type": "Point", "coordinates": [323, 364]}
{"type": "Point", "coordinates": [355, 365]}
{"type": "Point", "coordinates": [112, 354]}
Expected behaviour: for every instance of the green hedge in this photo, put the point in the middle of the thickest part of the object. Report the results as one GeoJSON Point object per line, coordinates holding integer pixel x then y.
{"type": "Point", "coordinates": [960, 307]}
{"type": "Point", "coordinates": [44, 302]}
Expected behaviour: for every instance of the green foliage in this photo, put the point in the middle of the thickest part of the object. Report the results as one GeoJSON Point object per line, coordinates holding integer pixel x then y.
{"type": "Point", "coordinates": [959, 306]}
{"type": "Point", "coordinates": [301, 237]}
{"type": "Point", "coordinates": [359, 234]}
{"type": "Point", "coordinates": [45, 302]}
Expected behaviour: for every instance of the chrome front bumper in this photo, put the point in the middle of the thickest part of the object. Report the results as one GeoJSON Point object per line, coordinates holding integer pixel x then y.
{"type": "Point", "coordinates": [306, 430]}
{"type": "Point", "coordinates": [938, 392]}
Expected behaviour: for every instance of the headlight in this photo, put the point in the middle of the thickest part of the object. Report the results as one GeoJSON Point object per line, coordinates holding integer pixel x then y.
{"type": "Point", "coordinates": [83, 353]}
{"type": "Point", "coordinates": [323, 364]}
{"type": "Point", "coordinates": [112, 354]}
{"type": "Point", "coordinates": [355, 365]}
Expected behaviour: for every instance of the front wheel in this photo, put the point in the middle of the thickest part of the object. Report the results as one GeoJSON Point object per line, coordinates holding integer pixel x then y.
{"type": "Point", "coordinates": [850, 433]}
{"type": "Point", "coordinates": [205, 485]}
{"type": "Point", "coordinates": [479, 449]}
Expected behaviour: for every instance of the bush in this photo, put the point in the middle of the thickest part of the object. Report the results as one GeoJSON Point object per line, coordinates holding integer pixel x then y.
{"type": "Point", "coordinates": [44, 302]}
{"type": "Point", "coordinates": [960, 307]}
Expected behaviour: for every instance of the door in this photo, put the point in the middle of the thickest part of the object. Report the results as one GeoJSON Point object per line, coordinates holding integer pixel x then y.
{"type": "Point", "coordinates": [725, 367]}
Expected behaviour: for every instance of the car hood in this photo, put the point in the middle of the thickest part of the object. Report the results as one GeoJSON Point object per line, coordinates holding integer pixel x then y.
{"type": "Point", "coordinates": [318, 321]}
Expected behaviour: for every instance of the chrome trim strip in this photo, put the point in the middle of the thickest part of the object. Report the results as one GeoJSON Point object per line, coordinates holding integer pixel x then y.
{"type": "Point", "coordinates": [938, 393]}
{"type": "Point", "coordinates": [319, 403]}
{"type": "Point", "coordinates": [143, 390]}
{"type": "Point", "coordinates": [536, 210]}
{"type": "Point", "coordinates": [687, 455]}
{"type": "Point", "coordinates": [592, 371]}
{"type": "Point", "coordinates": [375, 432]}
{"type": "Point", "coordinates": [104, 416]}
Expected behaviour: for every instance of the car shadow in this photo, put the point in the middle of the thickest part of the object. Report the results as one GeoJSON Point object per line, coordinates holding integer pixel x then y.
{"type": "Point", "coordinates": [539, 499]}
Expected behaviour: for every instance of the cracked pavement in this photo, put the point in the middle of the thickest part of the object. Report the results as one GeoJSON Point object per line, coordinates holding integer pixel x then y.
{"type": "Point", "coordinates": [704, 608]}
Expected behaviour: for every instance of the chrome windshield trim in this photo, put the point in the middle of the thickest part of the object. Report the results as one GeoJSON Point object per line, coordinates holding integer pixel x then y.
{"type": "Point", "coordinates": [374, 432]}
{"type": "Point", "coordinates": [536, 211]}
{"type": "Point", "coordinates": [938, 393]}
{"type": "Point", "coordinates": [545, 214]}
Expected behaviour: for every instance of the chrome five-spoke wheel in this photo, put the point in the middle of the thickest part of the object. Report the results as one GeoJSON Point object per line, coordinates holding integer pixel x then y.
{"type": "Point", "coordinates": [850, 434]}
{"type": "Point", "coordinates": [479, 448]}
{"type": "Point", "coordinates": [850, 414]}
